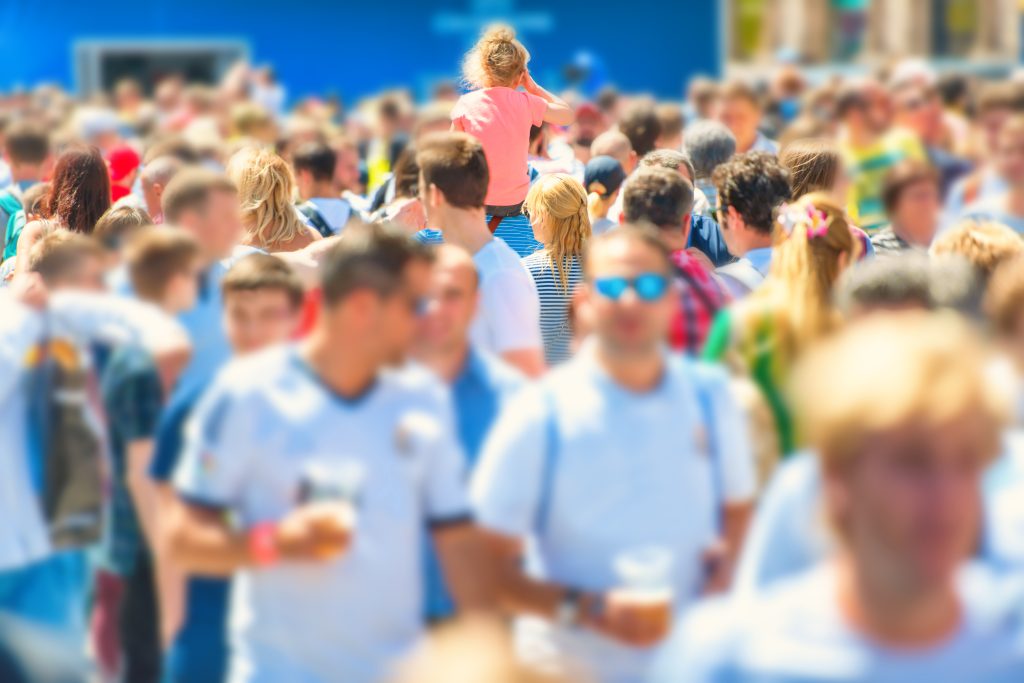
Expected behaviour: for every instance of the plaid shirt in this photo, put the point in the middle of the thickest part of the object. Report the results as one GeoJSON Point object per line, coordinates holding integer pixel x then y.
{"type": "Point", "coordinates": [133, 398]}
{"type": "Point", "coordinates": [701, 296]}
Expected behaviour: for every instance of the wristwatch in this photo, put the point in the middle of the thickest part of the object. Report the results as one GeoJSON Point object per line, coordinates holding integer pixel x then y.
{"type": "Point", "coordinates": [568, 613]}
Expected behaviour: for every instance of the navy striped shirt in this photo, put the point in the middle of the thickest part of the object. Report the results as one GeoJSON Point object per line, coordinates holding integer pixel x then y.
{"type": "Point", "coordinates": [518, 234]}
{"type": "Point", "coordinates": [554, 303]}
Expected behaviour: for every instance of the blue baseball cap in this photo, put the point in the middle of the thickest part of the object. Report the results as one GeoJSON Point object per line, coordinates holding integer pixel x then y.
{"type": "Point", "coordinates": [604, 171]}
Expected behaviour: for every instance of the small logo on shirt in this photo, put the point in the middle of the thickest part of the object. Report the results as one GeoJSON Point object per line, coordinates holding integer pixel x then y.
{"type": "Point", "coordinates": [403, 440]}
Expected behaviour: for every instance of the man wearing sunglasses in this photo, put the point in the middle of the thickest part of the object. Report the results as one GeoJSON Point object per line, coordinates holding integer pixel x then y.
{"type": "Point", "coordinates": [626, 445]}
{"type": "Point", "coordinates": [333, 467]}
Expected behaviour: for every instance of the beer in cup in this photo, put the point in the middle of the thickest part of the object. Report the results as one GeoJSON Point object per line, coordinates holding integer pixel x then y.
{"type": "Point", "coordinates": [645, 590]}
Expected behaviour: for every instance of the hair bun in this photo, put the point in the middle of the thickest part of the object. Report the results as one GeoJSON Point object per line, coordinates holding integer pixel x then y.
{"type": "Point", "coordinates": [499, 33]}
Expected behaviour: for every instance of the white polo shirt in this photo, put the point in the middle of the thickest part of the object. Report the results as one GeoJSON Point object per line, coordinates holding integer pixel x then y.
{"type": "Point", "coordinates": [72, 320]}
{"type": "Point", "coordinates": [263, 424]}
{"type": "Point", "coordinates": [508, 317]}
{"type": "Point", "coordinates": [586, 469]}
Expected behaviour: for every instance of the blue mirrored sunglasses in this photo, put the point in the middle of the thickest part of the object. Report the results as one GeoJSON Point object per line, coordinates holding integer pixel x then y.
{"type": "Point", "coordinates": [648, 286]}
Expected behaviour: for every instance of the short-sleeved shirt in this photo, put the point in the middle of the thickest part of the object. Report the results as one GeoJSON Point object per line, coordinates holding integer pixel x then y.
{"type": "Point", "coordinates": [554, 302]}
{"type": "Point", "coordinates": [586, 469]}
{"type": "Point", "coordinates": [253, 442]}
{"type": "Point", "coordinates": [501, 119]}
{"type": "Point", "coordinates": [868, 167]}
{"type": "Point", "coordinates": [795, 632]}
{"type": "Point", "coordinates": [199, 650]}
{"type": "Point", "coordinates": [508, 316]}
{"type": "Point", "coordinates": [701, 296]}
{"type": "Point", "coordinates": [746, 273]}
{"type": "Point", "coordinates": [132, 397]}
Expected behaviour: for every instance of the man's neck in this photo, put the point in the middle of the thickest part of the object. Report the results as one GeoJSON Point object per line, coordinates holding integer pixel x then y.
{"type": "Point", "coordinates": [448, 363]}
{"type": "Point", "coordinates": [908, 236]}
{"type": "Point", "coordinates": [747, 142]}
{"type": "Point", "coordinates": [466, 228]}
{"type": "Point", "coordinates": [860, 136]}
{"type": "Point", "coordinates": [911, 615]}
{"type": "Point", "coordinates": [752, 242]}
{"type": "Point", "coordinates": [638, 373]}
{"type": "Point", "coordinates": [339, 363]}
{"type": "Point", "coordinates": [323, 190]}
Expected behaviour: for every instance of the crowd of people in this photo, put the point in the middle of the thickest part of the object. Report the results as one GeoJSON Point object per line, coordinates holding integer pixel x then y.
{"type": "Point", "coordinates": [513, 386]}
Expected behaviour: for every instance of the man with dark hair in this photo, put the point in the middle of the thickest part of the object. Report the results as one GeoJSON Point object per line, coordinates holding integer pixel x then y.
{"type": "Point", "coordinates": [640, 124]}
{"type": "Point", "coordinates": [265, 448]}
{"type": "Point", "coordinates": [705, 235]}
{"type": "Point", "coordinates": [912, 200]}
{"type": "Point", "coordinates": [315, 168]}
{"type": "Point", "coordinates": [750, 188]}
{"type": "Point", "coordinates": [453, 184]}
{"type": "Point", "coordinates": [664, 198]}
{"type": "Point", "coordinates": [27, 153]}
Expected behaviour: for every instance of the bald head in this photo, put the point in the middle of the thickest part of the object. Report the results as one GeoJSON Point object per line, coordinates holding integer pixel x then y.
{"type": "Point", "coordinates": [444, 330]}
{"type": "Point", "coordinates": [452, 259]}
{"type": "Point", "coordinates": [614, 144]}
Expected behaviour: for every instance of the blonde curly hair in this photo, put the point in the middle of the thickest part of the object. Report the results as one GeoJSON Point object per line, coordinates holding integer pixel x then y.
{"type": "Point", "coordinates": [266, 189]}
{"type": "Point", "coordinates": [497, 59]}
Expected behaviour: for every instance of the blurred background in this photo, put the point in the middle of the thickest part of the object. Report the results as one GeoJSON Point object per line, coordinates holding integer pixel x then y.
{"type": "Point", "coordinates": [352, 49]}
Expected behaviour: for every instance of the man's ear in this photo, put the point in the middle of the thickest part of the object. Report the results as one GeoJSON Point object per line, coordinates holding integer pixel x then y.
{"type": "Point", "coordinates": [434, 196]}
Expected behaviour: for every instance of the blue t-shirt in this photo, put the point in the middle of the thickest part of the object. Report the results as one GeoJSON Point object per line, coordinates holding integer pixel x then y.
{"type": "Point", "coordinates": [479, 393]}
{"type": "Point", "coordinates": [200, 649]}
{"type": "Point", "coordinates": [706, 236]}
{"type": "Point", "coordinates": [133, 398]}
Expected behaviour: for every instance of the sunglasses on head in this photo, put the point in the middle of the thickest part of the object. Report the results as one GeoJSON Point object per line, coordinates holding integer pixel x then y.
{"type": "Point", "coordinates": [648, 286]}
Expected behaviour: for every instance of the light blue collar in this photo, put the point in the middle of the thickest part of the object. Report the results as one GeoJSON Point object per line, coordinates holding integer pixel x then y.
{"type": "Point", "coordinates": [761, 259]}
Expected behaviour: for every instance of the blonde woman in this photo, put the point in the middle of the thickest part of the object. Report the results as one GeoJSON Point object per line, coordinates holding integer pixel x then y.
{"type": "Point", "coordinates": [266, 188]}
{"type": "Point", "coordinates": [766, 332]}
{"type": "Point", "coordinates": [557, 209]}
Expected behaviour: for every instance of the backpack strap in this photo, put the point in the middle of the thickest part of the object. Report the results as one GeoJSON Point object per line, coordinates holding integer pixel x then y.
{"type": "Point", "coordinates": [309, 210]}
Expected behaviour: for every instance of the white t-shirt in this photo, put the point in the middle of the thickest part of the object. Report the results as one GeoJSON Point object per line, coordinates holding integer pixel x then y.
{"type": "Point", "coordinates": [585, 470]}
{"type": "Point", "coordinates": [257, 434]}
{"type": "Point", "coordinates": [508, 318]}
{"type": "Point", "coordinates": [795, 633]}
{"type": "Point", "coordinates": [72, 320]}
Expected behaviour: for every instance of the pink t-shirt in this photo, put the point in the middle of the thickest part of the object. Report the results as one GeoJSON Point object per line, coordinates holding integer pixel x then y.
{"type": "Point", "coordinates": [501, 118]}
